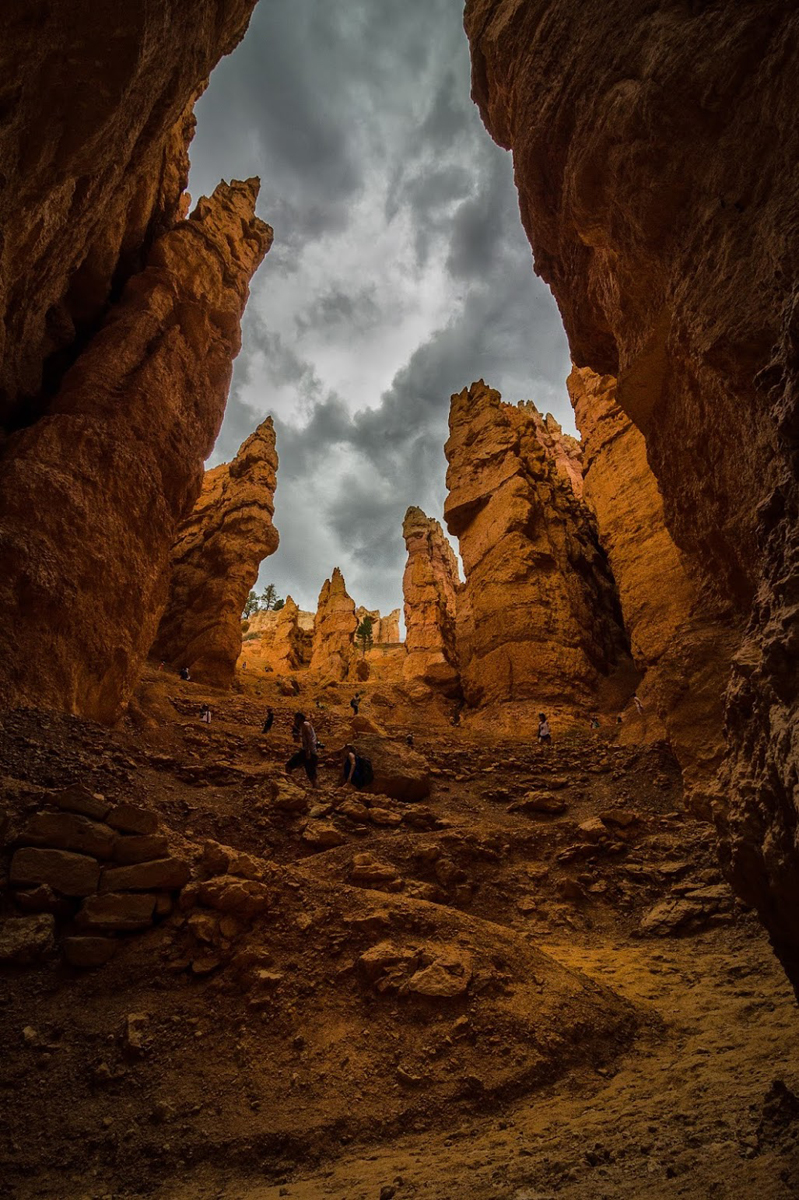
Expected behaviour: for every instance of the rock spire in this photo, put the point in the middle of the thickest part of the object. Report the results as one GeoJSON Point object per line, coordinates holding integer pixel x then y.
{"type": "Point", "coordinates": [429, 587]}
{"type": "Point", "coordinates": [334, 629]}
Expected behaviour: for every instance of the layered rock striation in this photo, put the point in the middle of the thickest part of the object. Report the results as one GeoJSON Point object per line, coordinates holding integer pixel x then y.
{"type": "Point", "coordinates": [540, 619]}
{"type": "Point", "coordinates": [334, 629]}
{"type": "Point", "coordinates": [653, 149]}
{"type": "Point", "coordinates": [279, 641]}
{"type": "Point", "coordinates": [215, 559]}
{"type": "Point", "coordinates": [430, 588]}
{"type": "Point", "coordinates": [92, 494]}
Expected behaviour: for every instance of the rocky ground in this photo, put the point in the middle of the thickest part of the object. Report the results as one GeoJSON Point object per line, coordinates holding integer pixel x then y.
{"type": "Point", "coordinates": [530, 982]}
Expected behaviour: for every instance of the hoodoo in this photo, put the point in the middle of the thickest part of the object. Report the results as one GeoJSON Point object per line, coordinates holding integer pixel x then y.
{"type": "Point", "coordinates": [92, 493]}
{"type": "Point", "coordinates": [429, 586]}
{"type": "Point", "coordinates": [215, 561]}
{"type": "Point", "coordinates": [334, 629]}
{"type": "Point", "coordinates": [657, 190]}
{"type": "Point", "coordinates": [540, 618]}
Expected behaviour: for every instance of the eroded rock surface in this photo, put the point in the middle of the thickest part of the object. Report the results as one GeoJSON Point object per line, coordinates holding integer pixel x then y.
{"type": "Point", "coordinates": [540, 619]}
{"type": "Point", "coordinates": [92, 494]}
{"type": "Point", "coordinates": [215, 560]}
{"type": "Point", "coordinates": [429, 587]}
{"type": "Point", "coordinates": [334, 629]}
{"type": "Point", "coordinates": [666, 225]}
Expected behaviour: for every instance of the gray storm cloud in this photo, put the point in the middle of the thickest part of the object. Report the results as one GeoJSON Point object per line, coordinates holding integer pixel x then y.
{"type": "Point", "coordinates": [399, 274]}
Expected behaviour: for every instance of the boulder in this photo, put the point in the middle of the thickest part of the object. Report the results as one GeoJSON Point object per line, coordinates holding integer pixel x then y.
{"type": "Point", "coordinates": [166, 873]}
{"type": "Point", "coordinates": [68, 873]}
{"type": "Point", "coordinates": [140, 848]}
{"type": "Point", "coordinates": [399, 771]}
{"type": "Point", "coordinates": [244, 898]}
{"type": "Point", "coordinates": [69, 831]}
{"type": "Point", "coordinates": [443, 978]}
{"type": "Point", "coordinates": [129, 818]}
{"type": "Point", "coordinates": [44, 899]}
{"type": "Point", "coordinates": [539, 802]}
{"type": "Point", "coordinates": [79, 799]}
{"type": "Point", "coordinates": [224, 860]}
{"type": "Point", "coordinates": [26, 939]}
{"type": "Point", "coordinates": [89, 951]}
{"type": "Point", "coordinates": [117, 912]}
{"type": "Point", "coordinates": [322, 836]}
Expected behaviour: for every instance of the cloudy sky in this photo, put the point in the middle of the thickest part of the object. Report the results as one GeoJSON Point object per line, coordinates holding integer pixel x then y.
{"type": "Point", "coordinates": [399, 273]}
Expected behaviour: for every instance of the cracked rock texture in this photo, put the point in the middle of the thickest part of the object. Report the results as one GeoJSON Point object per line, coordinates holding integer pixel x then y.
{"type": "Point", "coordinates": [430, 590]}
{"type": "Point", "coordinates": [657, 185]}
{"type": "Point", "coordinates": [540, 619]}
{"type": "Point", "coordinates": [215, 561]}
{"type": "Point", "coordinates": [91, 494]}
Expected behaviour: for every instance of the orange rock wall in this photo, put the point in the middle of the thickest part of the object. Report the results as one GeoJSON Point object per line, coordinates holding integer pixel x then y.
{"type": "Point", "coordinates": [429, 586]}
{"type": "Point", "coordinates": [92, 494]}
{"type": "Point", "coordinates": [540, 618]}
{"type": "Point", "coordinates": [281, 640]}
{"type": "Point", "coordinates": [654, 150]}
{"type": "Point", "coordinates": [215, 560]}
{"type": "Point", "coordinates": [334, 629]}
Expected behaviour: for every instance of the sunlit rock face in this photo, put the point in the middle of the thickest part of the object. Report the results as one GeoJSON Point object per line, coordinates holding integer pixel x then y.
{"type": "Point", "coordinates": [92, 494]}
{"type": "Point", "coordinates": [677, 640]}
{"type": "Point", "coordinates": [540, 618]}
{"type": "Point", "coordinates": [564, 450]}
{"type": "Point", "coordinates": [652, 147]}
{"type": "Point", "coordinates": [215, 561]}
{"type": "Point", "coordinates": [93, 165]}
{"type": "Point", "coordinates": [385, 630]}
{"type": "Point", "coordinates": [334, 629]}
{"type": "Point", "coordinates": [278, 641]}
{"type": "Point", "coordinates": [429, 587]}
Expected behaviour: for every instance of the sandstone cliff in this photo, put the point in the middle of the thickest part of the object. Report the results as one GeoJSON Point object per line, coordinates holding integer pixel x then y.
{"type": "Point", "coordinates": [652, 149]}
{"type": "Point", "coordinates": [429, 587]}
{"type": "Point", "coordinates": [93, 165]}
{"type": "Point", "coordinates": [334, 629]}
{"type": "Point", "coordinates": [543, 619]}
{"type": "Point", "coordinates": [385, 630]}
{"type": "Point", "coordinates": [564, 450]}
{"type": "Point", "coordinates": [278, 641]}
{"type": "Point", "coordinates": [91, 494]}
{"type": "Point", "coordinates": [215, 560]}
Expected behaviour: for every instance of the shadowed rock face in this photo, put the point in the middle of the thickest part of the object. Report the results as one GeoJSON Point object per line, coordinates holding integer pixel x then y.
{"type": "Point", "coordinates": [92, 166]}
{"type": "Point", "coordinates": [429, 587]}
{"type": "Point", "coordinates": [215, 561]}
{"type": "Point", "coordinates": [540, 619]}
{"type": "Point", "coordinates": [334, 629]}
{"type": "Point", "coordinates": [681, 643]}
{"type": "Point", "coordinates": [92, 494]}
{"type": "Point", "coordinates": [654, 150]}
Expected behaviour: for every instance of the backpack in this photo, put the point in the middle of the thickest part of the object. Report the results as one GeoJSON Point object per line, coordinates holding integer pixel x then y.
{"type": "Point", "coordinates": [363, 774]}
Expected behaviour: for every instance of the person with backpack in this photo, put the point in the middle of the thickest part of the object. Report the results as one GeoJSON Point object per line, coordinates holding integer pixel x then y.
{"type": "Point", "coordinates": [544, 732]}
{"type": "Point", "coordinates": [184, 674]}
{"type": "Point", "coordinates": [205, 714]}
{"type": "Point", "coordinates": [356, 769]}
{"type": "Point", "coordinates": [269, 722]}
{"type": "Point", "coordinates": [307, 755]}
{"type": "Point", "coordinates": [355, 703]}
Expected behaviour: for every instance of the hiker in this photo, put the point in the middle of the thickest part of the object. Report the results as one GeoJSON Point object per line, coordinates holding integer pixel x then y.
{"type": "Point", "coordinates": [161, 665]}
{"type": "Point", "coordinates": [638, 705]}
{"type": "Point", "coordinates": [595, 722]}
{"type": "Point", "coordinates": [269, 722]}
{"type": "Point", "coordinates": [409, 740]}
{"type": "Point", "coordinates": [355, 769]}
{"type": "Point", "coordinates": [355, 703]}
{"type": "Point", "coordinates": [544, 733]}
{"type": "Point", "coordinates": [619, 719]}
{"type": "Point", "coordinates": [205, 714]}
{"type": "Point", "coordinates": [306, 756]}
{"type": "Point", "coordinates": [184, 674]}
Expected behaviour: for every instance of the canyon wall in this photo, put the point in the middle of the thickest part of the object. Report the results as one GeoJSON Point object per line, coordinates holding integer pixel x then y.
{"type": "Point", "coordinates": [429, 587]}
{"type": "Point", "coordinates": [278, 641]}
{"type": "Point", "coordinates": [655, 150]}
{"type": "Point", "coordinates": [334, 629]}
{"type": "Point", "coordinates": [93, 165]}
{"type": "Point", "coordinates": [215, 560]}
{"type": "Point", "coordinates": [91, 494]}
{"type": "Point", "coordinates": [541, 620]}
{"type": "Point", "coordinates": [678, 640]}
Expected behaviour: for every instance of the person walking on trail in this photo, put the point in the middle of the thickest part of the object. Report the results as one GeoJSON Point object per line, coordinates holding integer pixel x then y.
{"type": "Point", "coordinates": [355, 703]}
{"type": "Point", "coordinates": [184, 674]}
{"type": "Point", "coordinates": [544, 732]}
{"type": "Point", "coordinates": [269, 722]}
{"type": "Point", "coordinates": [307, 755]}
{"type": "Point", "coordinates": [638, 705]}
{"type": "Point", "coordinates": [205, 714]}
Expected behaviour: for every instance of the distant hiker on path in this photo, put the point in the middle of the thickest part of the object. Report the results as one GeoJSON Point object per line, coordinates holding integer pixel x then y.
{"type": "Point", "coordinates": [544, 732]}
{"type": "Point", "coordinates": [306, 756]}
{"type": "Point", "coordinates": [269, 722]}
{"type": "Point", "coordinates": [595, 722]}
{"type": "Point", "coordinates": [205, 714]}
{"type": "Point", "coordinates": [355, 703]}
{"type": "Point", "coordinates": [184, 674]}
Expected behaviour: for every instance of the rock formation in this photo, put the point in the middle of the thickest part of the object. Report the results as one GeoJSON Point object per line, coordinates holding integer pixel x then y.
{"type": "Point", "coordinates": [334, 629]}
{"type": "Point", "coordinates": [279, 641]}
{"type": "Point", "coordinates": [93, 166]}
{"type": "Point", "coordinates": [564, 450]}
{"type": "Point", "coordinates": [666, 224]}
{"type": "Point", "coordinates": [92, 493]}
{"type": "Point", "coordinates": [676, 638]}
{"type": "Point", "coordinates": [543, 620]}
{"type": "Point", "coordinates": [215, 560]}
{"type": "Point", "coordinates": [385, 630]}
{"type": "Point", "coordinates": [429, 587]}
